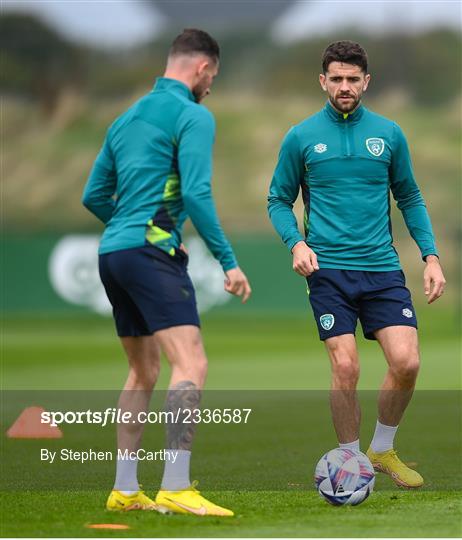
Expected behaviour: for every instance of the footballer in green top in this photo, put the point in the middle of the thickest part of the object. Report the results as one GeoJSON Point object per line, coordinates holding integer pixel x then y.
{"type": "Point", "coordinates": [348, 162]}
{"type": "Point", "coordinates": [152, 173]}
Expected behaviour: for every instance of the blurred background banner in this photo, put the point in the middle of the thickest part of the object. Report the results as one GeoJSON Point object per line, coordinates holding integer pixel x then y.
{"type": "Point", "coordinates": [53, 273]}
{"type": "Point", "coordinates": [70, 68]}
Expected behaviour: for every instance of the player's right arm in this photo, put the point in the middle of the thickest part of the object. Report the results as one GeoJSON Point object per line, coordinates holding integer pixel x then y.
{"type": "Point", "coordinates": [101, 185]}
{"type": "Point", "coordinates": [196, 134]}
{"type": "Point", "coordinates": [284, 190]}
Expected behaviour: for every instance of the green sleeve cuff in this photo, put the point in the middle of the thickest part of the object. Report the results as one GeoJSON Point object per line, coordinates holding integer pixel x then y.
{"type": "Point", "coordinates": [295, 240]}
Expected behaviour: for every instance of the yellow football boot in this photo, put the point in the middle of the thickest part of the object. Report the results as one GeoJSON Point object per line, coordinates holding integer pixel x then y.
{"type": "Point", "coordinates": [126, 503]}
{"type": "Point", "coordinates": [188, 501]}
{"type": "Point", "coordinates": [389, 463]}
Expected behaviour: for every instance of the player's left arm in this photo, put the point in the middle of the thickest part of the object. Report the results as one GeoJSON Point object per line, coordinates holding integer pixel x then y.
{"type": "Point", "coordinates": [412, 205]}
{"type": "Point", "coordinates": [101, 185]}
{"type": "Point", "coordinates": [196, 134]}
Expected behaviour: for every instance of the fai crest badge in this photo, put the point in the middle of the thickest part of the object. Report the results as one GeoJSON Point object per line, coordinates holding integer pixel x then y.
{"type": "Point", "coordinates": [375, 146]}
{"type": "Point", "coordinates": [327, 321]}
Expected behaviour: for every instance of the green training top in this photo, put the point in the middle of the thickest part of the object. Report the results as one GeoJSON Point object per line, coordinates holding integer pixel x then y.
{"type": "Point", "coordinates": [153, 171]}
{"type": "Point", "coordinates": [346, 165]}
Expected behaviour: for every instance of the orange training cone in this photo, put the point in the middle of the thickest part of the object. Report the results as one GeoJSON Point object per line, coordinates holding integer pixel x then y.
{"type": "Point", "coordinates": [28, 425]}
{"type": "Point", "coordinates": [107, 526]}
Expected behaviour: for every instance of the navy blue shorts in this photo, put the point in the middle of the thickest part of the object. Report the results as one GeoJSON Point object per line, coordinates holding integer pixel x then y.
{"type": "Point", "coordinates": [378, 299]}
{"type": "Point", "coordinates": [149, 290]}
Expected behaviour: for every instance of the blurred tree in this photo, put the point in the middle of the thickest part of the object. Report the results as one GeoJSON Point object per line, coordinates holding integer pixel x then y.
{"type": "Point", "coordinates": [37, 62]}
{"type": "Point", "coordinates": [221, 16]}
{"type": "Point", "coordinates": [425, 67]}
{"type": "Point", "coordinates": [435, 73]}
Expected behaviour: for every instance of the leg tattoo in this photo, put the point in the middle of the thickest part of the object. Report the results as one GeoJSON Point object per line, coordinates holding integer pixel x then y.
{"type": "Point", "coordinates": [182, 398]}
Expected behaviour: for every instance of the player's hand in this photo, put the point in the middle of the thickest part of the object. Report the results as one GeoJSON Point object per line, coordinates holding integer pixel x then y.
{"type": "Point", "coordinates": [434, 281]}
{"type": "Point", "coordinates": [236, 283]}
{"type": "Point", "coordinates": [305, 261]}
{"type": "Point", "coordinates": [183, 248]}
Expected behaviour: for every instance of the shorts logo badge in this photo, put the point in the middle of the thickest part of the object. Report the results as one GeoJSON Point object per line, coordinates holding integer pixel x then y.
{"type": "Point", "coordinates": [407, 313]}
{"type": "Point", "coordinates": [320, 148]}
{"type": "Point", "coordinates": [327, 321]}
{"type": "Point", "coordinates": [375, 146]}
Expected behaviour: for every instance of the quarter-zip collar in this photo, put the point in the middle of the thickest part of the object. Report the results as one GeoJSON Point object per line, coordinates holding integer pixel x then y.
{"type": "Point", "coordinates": [173, 85]}
{"type": "Point", "coordinates": [351, 118]}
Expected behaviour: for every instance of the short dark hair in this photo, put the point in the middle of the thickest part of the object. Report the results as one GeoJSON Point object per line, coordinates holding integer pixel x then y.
{"type": "Point", "coordinates": [192, 41]}
{"type": "Point", "coordinates": [347, 52]}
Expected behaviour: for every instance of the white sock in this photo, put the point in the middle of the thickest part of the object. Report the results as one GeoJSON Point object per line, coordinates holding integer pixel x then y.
{"type": "Point", "coordinates": [383, 437]}
{"type": "Point", "coordinates": [126, 478]}
{"type": "Point", "coordinates": [350, 445]}
{"type": "Point", "coordinates": [176, 474]}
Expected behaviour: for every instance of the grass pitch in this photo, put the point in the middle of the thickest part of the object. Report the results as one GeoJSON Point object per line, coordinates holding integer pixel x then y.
{"type": "Point", "coordinates": [264, 514]}
{"type": "Point", "coordinates": [263, 472]}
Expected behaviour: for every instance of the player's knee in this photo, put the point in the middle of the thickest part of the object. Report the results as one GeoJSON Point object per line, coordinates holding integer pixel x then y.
{"type": "Point", "coordinates": [192, 366]}
{"type": "Point", "coordinates": [345, 369]}
{"type": "Point", "coordinates": [145, 376]}
{"type": "Point", "coordinates": [201, 366]}
{"type": "Point", "coordinates": [405, 360]}
{"type": "Point", "coordinates": [198, 358]}
{"type": "Point", "coordinates": [407, 367]}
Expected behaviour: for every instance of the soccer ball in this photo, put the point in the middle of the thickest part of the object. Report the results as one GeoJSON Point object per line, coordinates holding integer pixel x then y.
{"type": "Point", "coordinates": [344, 476]}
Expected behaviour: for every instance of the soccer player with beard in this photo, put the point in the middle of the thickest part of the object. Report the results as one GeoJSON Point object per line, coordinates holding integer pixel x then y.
{"type": "Point", "coordinates": [346, 160]}
{"type": "Point", "coordinates": [153, 171]}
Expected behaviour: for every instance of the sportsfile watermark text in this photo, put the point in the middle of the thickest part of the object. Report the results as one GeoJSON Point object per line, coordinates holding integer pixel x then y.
{"type": "Point", "coordinates": [113, 415]}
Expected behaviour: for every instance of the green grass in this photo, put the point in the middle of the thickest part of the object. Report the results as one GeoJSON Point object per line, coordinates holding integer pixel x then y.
{"type": "Point", "coordinates": [263, 470]}
{"type": "Point", "coordinates": [244, 352]}
{"type": "Point", "coordinates": [267, 514]}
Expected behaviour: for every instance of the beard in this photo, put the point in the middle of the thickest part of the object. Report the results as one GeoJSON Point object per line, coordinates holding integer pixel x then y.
{"type": "Point", "coordinates": [345, 106]}
{"type": "Point", "coordinates": [200, 91]}
{"type": "Point", "coordinates": [198, 94]}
